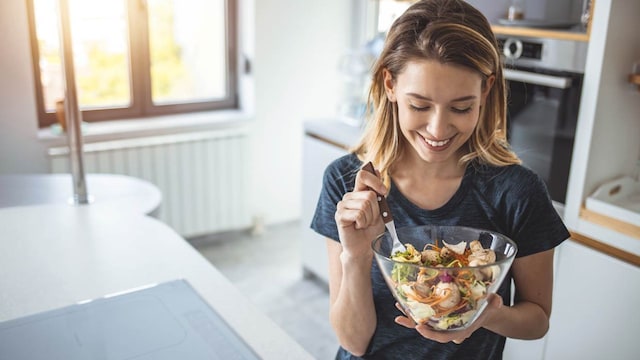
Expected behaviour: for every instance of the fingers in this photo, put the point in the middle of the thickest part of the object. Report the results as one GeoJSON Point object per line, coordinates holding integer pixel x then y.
{"type": "Point", "coordinates": [405, 321]}
{"type": "Point", "coordinates": [457, 337]}
{"type": "Point", "coordinates": [399, 307]}
{"type": "Point", "coordinates": [424, 330]}
{"type": "Point", "coordinates": [494, 301]}
{"type": "Point", "coordinates": [368, 181]}
{"type": "Point", "coordinates": [358, 208]}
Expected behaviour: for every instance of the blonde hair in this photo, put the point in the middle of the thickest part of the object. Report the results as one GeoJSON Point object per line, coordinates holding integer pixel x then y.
{"type": "Point", "coordinates": [451, 32]}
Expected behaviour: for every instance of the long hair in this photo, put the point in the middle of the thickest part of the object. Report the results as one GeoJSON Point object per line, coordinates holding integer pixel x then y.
{"type": "Point", "coordinates": [450, 32]}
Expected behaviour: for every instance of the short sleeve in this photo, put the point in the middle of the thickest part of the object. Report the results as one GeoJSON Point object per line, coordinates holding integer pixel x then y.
{"type": "Point", "coordinates": [338, 179]}
{"type": "Point", "coordinates": [535, 225]}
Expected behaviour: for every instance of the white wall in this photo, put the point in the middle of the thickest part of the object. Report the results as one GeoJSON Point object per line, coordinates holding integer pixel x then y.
{"type": "Point", "coordinates": [20, 151]}
{"type": "Point", "coordinates": [298, 44]}
{"type": "Point", "coordinates": [296, 48]}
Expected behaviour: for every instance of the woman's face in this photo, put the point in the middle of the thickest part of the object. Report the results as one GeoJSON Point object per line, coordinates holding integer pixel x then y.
{"type": "Point", "coordinates": [438, 107]}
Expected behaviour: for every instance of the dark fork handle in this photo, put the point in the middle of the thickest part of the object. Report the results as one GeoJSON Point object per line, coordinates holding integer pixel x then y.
{"type": "Point", "coordinates": [382, 201]}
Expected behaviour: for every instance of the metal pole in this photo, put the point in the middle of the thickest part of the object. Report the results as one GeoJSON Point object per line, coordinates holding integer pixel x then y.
{"type": "Point", "coordinates": [73, 117]}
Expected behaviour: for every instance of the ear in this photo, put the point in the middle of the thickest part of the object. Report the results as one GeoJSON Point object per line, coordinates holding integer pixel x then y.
{"type": "Point", "coordinates": [389, 85]}
{"type": "Point", "coordinates": [487, 87]}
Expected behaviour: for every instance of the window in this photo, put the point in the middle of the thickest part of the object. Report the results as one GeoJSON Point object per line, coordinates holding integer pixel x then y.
{"type": "Point", "coordinates": [137, 58]}
{"type": "Point", "coordinates": [388, 12]}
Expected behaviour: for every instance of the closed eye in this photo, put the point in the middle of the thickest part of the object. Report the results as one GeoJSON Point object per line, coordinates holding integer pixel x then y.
{"type": "Point", "coordinates": [419, 108]}
{"type": "Point", "coordinates": [461, 111]}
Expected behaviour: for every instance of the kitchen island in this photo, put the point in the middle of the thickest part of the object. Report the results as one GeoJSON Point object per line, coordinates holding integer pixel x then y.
{"type": "Point", "coordinates": [52, 256]}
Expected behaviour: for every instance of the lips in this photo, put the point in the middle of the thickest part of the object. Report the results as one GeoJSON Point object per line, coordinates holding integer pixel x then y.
{"type": "Point", "coordinates": [436, 145]}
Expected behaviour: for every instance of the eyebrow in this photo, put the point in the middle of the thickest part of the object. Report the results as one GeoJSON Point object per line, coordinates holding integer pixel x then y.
{"type": "Point", "coordinates": [463, 98]}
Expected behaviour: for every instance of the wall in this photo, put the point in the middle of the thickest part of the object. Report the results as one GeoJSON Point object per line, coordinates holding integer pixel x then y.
{"type": "Point", "coordinates": [20, 151]}
{"type": "Point", "coordinates": [297, 45]}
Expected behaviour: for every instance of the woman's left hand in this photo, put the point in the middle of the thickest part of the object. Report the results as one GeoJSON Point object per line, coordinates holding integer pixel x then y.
{"type": "Point", "coordinates": [494, 303]}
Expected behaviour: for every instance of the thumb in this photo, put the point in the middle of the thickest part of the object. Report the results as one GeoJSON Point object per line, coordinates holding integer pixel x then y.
{"type": "Point", "coordinates": [494, 300]}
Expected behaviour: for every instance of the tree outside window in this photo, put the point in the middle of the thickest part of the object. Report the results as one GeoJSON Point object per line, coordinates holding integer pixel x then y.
{"type": "Point", "coordinates": [137, 58]}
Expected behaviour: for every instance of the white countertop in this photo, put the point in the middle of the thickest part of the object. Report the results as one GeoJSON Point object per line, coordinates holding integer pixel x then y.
{"type": "Point", "coordinates": [334, 130]}
{"type": "Point", "coordinates": [53, 256]}
{"type": "Point", "coordinates": [125, 193]}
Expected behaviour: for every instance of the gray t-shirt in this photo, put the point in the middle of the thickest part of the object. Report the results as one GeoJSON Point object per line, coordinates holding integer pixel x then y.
{"type": "Point", "coordinates": [511, 200]}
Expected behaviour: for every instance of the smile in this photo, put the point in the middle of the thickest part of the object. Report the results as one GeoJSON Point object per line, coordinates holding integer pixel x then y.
{"type": "Point", "coordinates": [437, 143]}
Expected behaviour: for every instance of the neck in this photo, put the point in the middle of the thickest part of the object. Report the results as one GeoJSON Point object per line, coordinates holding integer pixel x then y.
{"type": "Point", "coordinates": [411, 164]}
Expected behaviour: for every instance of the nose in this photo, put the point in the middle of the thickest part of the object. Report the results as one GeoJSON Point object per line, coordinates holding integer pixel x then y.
{"type": "Point", "coordinates": [438, 125]}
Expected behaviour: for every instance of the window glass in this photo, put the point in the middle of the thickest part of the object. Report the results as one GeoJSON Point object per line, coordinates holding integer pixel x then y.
{"type": "Point", "coordinates": [100, 53]}
{"type": "Point", "coordinates": [136, 58]}
{"type": "Point", "coordinates": [187, 39]}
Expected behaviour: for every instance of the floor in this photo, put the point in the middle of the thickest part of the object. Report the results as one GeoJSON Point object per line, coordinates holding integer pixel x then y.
{"type": "Point", "coordinates": [267, 268]}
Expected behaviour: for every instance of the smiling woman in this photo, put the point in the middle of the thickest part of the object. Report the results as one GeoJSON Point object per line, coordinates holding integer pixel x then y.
{"type": "Point", "coordinates": [136, 58]}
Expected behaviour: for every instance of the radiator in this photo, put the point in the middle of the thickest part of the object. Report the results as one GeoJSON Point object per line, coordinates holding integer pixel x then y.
{"type": "Point", "coordinates": [202, 176]}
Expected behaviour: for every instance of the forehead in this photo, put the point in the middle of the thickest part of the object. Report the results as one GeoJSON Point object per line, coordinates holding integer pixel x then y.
{"type": "Point", "coordinates": [430, 78]}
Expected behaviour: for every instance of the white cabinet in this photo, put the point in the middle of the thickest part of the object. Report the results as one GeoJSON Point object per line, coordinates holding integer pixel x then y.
{"type": "Point", "coordinates": [595, 306]}
{"type": "Point", "coordinates": [607, 142]}
{"type": "Point", "coordinates": [324, 141]}
{"type": "Point", "coordinates": [524, 349]}
{"type": "Point", "coordinates": [596, 295]}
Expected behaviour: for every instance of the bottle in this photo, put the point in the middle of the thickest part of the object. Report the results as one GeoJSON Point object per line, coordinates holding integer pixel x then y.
{"type": "Point", "coordinates": [516, 10]}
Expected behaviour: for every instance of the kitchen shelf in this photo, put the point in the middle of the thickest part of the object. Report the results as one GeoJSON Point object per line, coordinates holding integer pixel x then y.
{"type": "Point", "coordinates": [547, 33]}
{"type": "Point", "coordinates": [606, 249]}
{"type": "Point", "coordinates": [610, 223]}
{"type": "Point", "coordinates": [540, 33]}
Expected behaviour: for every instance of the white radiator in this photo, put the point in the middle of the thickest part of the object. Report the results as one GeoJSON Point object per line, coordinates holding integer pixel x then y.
{"type": "Point", "coordinates": [202, 176]}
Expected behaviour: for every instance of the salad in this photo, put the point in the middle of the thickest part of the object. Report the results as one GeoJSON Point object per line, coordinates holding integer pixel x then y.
{"type": "Point", "coordinates": [444, 290]}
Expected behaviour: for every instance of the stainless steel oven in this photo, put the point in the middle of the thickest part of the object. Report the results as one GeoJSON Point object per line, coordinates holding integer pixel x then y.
{"type": "Point", "coordinates": [544, 84]}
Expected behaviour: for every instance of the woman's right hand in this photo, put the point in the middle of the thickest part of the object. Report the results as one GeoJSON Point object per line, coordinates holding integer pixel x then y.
{"type": "Point", "coordinates": [358, 215]}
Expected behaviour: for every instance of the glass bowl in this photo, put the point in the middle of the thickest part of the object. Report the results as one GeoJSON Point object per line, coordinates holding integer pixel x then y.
{"type": "Point", "coordinates": [445, 289]}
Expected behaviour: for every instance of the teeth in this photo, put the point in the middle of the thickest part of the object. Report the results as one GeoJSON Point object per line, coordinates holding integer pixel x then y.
{"type": "Point", "coordinates": [437, 143]}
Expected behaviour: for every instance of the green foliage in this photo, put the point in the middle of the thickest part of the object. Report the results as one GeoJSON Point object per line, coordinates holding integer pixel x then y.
{"type": "Point", "coordinates": [166, 61]}
{"type": "Point", "coordinates": [105, 80]}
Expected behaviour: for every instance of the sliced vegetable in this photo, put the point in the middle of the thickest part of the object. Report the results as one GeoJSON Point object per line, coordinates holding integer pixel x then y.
{"type": "Point", "coordinates": [445, 299]}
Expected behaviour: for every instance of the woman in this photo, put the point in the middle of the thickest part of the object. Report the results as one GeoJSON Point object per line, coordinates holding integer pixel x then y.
{"type": "Point", "coordinates": [437, 135]}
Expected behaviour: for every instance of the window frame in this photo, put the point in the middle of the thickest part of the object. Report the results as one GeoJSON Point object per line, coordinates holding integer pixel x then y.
{"type": "Point", "coordinates": [141, 105]}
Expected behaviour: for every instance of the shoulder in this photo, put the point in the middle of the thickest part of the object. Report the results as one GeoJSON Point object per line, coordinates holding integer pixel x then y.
{"type": "Point", "coordinates": [512, 179]}
{"type": "Point", "coordinates": [343, 169]}
{"type": "Point", "coordinates": [503, 173]}
{"type": "Point", "coordinates": [521, 206]}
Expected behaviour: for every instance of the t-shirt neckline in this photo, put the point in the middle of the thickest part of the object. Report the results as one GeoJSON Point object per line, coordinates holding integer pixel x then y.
{"type": "Point", "coordinates": [455, 200]}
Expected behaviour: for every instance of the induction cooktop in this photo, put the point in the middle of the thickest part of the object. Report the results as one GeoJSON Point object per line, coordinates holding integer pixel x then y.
{"type": "Point", "coordinates": [161, 321]}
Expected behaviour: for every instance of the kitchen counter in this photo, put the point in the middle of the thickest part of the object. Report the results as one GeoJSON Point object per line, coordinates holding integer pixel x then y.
{"type": "Point", "coordinates": [333, 132]}
{"type": "Point", "coordinates": [121, 192]}
{"type": "Point", "coordinates": [53, 256]}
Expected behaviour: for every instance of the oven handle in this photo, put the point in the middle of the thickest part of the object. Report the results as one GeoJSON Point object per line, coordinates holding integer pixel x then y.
{"type": "Point", "coordinates": [558, 82]}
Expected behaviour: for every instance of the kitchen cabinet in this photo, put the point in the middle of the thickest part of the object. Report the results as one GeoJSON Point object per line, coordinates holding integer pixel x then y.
{"type": "Point", "coordinates": [607, 142]}
{"type": "Point", "coordinates": [595, 306]}
{"type": "Point", "coordinates": [324, 141]}
{"type": "Point", "coordinates": [596, 293]}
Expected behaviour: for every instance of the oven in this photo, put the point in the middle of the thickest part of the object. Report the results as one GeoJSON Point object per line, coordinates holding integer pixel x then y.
{"type": "Point", "coordinates": [544, 84]}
